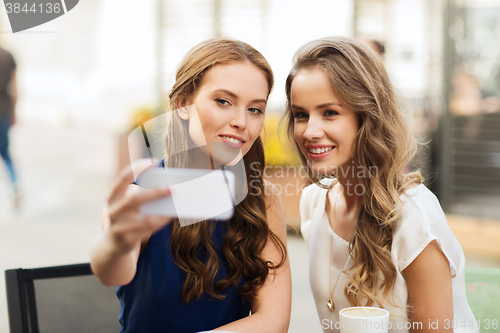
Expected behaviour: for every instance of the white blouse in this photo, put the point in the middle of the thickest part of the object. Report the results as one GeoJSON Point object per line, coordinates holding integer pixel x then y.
{"type": "Point", "coordinates": [421, 222]}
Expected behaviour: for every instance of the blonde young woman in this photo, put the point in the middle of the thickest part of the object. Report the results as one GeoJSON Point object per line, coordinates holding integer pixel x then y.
{"type": "Point", "coordinates": [376, 236]}
{"type": "Point", "coordinates": [211, 274]}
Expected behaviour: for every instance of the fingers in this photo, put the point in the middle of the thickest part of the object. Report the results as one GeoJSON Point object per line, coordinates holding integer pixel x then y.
{"type": "Point", "coordinates": [121, 218]}
{"type": "Point", "coordinates": [155, 223]}
{"type": "Point", "coordinates": [132, 202]}
{"type": "Point", "coordinates": [126, 176]}
{"type": "Point", "coordinates": [127, 207]}
{"type": "Point", "coordinates": [140, 224]}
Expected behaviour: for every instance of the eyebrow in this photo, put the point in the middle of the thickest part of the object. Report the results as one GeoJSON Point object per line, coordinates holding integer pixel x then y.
{"type": "Point", "coordinates": [230, 93]}
{"type": "Point", "coordinates": [324, 105]}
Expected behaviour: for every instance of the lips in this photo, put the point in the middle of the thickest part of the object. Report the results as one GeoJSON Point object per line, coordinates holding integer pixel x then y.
{"type": "Point", "coordinates": [232, 141]}
{"type": "Point", "coordinates": [318, 152]}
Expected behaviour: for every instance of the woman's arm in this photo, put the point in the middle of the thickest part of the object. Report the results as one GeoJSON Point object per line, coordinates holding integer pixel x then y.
{"type": "Point", "coordinates": [272, 305]}
{"type": "Point", "coordinates": [428, 279]}
{"type": "Point", "coordinates": [114, 253]}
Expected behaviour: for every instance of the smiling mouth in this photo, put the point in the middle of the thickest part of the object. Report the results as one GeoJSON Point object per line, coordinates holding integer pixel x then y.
{"type": "Point", "coordinates": [320, 150]}
{"type": "Point", "coordinates": [232, 140]}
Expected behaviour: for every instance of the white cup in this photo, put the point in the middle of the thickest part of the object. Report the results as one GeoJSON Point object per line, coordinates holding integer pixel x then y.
{"type": "Point", "coordinates": [364, 319]}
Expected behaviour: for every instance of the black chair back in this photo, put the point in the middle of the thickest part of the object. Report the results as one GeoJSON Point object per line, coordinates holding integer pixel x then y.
{"type": "Point", "coordinates": [61, 299]}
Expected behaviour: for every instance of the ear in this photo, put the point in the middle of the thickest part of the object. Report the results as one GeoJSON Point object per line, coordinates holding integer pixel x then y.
{"type": "Point", "coordinates": [182, 107]}
{"type": "Point", "coordinates": [183, 113]}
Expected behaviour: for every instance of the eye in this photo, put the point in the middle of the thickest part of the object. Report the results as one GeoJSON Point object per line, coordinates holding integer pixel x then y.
{"type": "Point", "coordinates": [222, 102]}
{"type": "Point", "coordinates": [300, 115]}
{"type": "Point", "coordinates": [330, 113]}
{"type": "Point", "coordinates": [255, 111]}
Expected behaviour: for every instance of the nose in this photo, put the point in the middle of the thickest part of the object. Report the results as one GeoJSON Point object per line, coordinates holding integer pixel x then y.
{"type": "Point", "coordinates": [239, 119]}
{"type": "Point", "coordinates": [314, 130]}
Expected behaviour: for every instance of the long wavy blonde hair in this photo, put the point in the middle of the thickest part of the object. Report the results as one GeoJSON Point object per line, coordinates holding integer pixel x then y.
{"type": "Point", "coordinates": [384, 147]}
{"type": "Point", "coordinates": [248, 231]}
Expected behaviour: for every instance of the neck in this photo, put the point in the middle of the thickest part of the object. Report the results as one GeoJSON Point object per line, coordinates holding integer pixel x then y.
{"type": "Point", "coordinates": [352, 189]}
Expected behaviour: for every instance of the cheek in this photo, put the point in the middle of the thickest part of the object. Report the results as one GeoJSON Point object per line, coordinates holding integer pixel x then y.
{"type": "Point", "coordinates": [353, 136]}
{"type": "Point", "coordinates": [211, 122]}
{"type": "Point", "coordinates": [298, 131]}
{"type": "Point", "coordinates": [196, 133]}
{"type": "Point", "coordinates": [195, 126]}
{"type": "Point", "coordinates": [352, 144]}
{"type": "Point", "coordinates": [206, 117]}
{"type": "Point", "coordinates": [255, 128]}
{"type": "Point", "coordinates": [207, 111]}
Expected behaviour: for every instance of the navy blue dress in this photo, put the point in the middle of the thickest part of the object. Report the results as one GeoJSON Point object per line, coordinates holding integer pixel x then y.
{"type": "Point", "coordinates": [152, 302]}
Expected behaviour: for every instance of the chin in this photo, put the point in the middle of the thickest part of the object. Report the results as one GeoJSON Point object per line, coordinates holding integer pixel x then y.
{"type": "Point", "coordinates": [223, 155]}
{"type": "Point", "coordinates": [228, 159]}
{"type": "Point", "coordinates": [322, 169]}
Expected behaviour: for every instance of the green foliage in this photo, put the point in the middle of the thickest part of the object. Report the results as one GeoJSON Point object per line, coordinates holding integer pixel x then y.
{"type": "Point", "coordinates": [483, 295]}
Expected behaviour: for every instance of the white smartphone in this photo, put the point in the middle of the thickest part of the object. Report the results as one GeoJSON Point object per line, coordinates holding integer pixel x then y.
{"type": "Point", "coordinates": [197, 194]}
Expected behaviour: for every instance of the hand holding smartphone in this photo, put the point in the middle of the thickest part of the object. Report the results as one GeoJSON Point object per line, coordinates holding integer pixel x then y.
{"type": "Point", "coordinates": [197, 194]}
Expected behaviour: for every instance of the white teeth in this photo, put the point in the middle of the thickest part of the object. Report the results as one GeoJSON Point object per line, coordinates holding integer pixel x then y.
{"type": "Point", "coordinates": [233, 140]}
{"type": "Point", "coordinates": [320, 150]}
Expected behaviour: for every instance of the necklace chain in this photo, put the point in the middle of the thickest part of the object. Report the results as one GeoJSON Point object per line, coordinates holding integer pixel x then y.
{"type": "Point", "coordinates": [330, 303]}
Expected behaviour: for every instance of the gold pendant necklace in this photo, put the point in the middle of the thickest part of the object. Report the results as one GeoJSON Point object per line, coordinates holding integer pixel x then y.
{"type": "Point", "coordinates": [330, 304]}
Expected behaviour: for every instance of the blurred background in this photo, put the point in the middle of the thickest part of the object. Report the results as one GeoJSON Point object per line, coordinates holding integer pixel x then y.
{"type": "Point", "coordinates": [88, 78]}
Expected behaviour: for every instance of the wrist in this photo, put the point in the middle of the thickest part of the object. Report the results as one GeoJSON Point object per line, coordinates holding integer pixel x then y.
{"type": "Point", "coordinates": [116, 245]}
